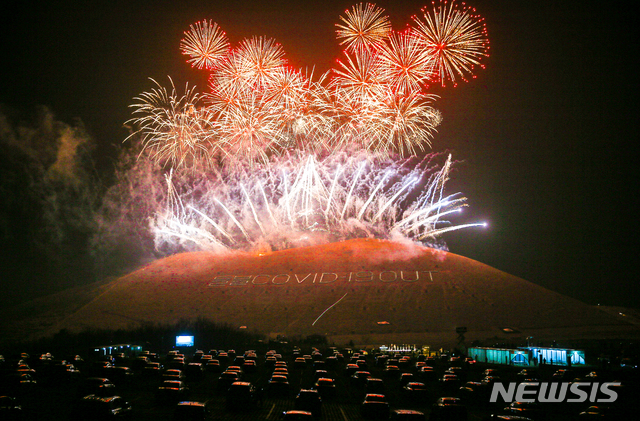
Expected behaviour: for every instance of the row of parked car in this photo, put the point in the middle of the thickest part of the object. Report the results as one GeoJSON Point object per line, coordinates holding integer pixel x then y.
{"type": "Point", "coordinates": [381, 385]}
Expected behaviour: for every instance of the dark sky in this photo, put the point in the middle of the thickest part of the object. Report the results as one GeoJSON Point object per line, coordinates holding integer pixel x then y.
{"type": "Point", "coordinates": [547, 132]}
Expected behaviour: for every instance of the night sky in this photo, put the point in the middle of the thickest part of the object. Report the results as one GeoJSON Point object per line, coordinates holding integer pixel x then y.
{"type": "Point", "coordinates": [547, 132]}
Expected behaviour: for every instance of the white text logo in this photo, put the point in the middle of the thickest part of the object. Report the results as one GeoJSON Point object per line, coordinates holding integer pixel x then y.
{"type": "Point", "coordinates": [555, 392]}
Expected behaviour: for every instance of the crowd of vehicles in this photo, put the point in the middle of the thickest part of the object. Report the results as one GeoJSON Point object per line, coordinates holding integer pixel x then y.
{"type": "Point", "coordinates": [294, 384]}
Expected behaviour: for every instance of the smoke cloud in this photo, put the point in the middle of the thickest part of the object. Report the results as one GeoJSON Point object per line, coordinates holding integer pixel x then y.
{"type": "Point", "coordinates": [48, 195]}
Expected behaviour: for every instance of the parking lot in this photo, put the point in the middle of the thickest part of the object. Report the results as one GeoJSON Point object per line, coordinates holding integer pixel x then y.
{"type": "Point", "coordinates": [56, 393]}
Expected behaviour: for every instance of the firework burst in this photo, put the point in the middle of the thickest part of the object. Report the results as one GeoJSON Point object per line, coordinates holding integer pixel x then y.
{"type": "Point", "coordinates": [251, 130]}
{"type": "Point", "coordinates": [405, 63]}
{"type": "Point", "coordinates": [359, 76]}
{"type": "Point", "coordinates": [260, 59]}
{"type": "Point", "coordinates": [296, 157]}
{"type": "Point", "coordinates": [455, 37]}
{"type": "Point", "coordinates": [365, 27]}
{"type": "Point", "coordinates": [206, 44]}
{"type": "Point", "coordinates": [176, 128]}
{"type": "Point", "coordinates": [406, 124]}
{"type": "Point", "coordinates": [374, 100]}
{"type": "Point", "coordinates": [299, 199]}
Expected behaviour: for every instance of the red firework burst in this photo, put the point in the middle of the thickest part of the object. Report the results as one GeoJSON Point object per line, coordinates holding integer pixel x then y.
{"type": "Point", "coordinates": [456, 37]}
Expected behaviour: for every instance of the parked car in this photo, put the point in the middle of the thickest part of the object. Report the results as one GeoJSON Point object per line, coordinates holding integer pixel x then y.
{"type": "Point", "coordinates": [450, 382]}
{"type": "Point", "coordinates": [562, 375]}
{"type": "Point", "coordinates": [194, 371]}
{"type": "Point", "coordinates": [120, 359]}
{"type": "Point", "coordinates": [213, 365]}
{"type": "Point", "coordinates": [527, 375]}
{"type": "Point", "coordinates": [326, 387]}
{"type": "Point", "coordinates": [427, 373]}
{"type": "Point", "coordinates": [172, 391]}
{"type": "Point", "coordinates": [281, 371]}
{"type": "Point", "coordinates": [17, 383]}
{"type": "Point", "coordinates": [503, 417]}
{"type": "Point", "coordinates": [374, 385]}
{"type": "Point", "coordinates": [235, 369]}
{"type": "Point", "coordinates": [359, 377]}
{"type": "Point", "coordinates": [191, 411]}
{"type": "Point", "coordinates": [604, 412]}
{"type": "Point", "coordinates": [152, 369]}
{"type": "Point", "coordinates": [58, 371]}
{"type": "Point", "coordinates": [242, 395]}
{"type": "Point", "coordinates": [119, 374]}
{"type": "Point", "coordinates": [173, 374]}
{"type": "Point", "coordinates": [223, 357]}
{"type": "Point", "coordinates": [250, 366]}
{"type": "Point", "coordinates": [278, 385]}
{"type": "Point", "coordinates": [297, 415]}
{"type": "Point", "coordinates": [449, 409]}
{"type": "Point", "coordinates": [406, 378]}
{"type": "Point", "coordinates": [392, 371]}
{"type": "Point", "coordinates": [474, 392]}
{"type": "Point", "coordinates": [98, 368]}
{"type": "Point", "coordinates": [414, 392]}
{"type": "Point", "coordinates": [350, 369]}
{"type": "Point", "coordinates": [375, 407]}
{"type": "Point", "coordinates": [458, 371]}
{"type": "Point", "coordinates": [98, 386]}
{"type": "Point", "coordinates": [10, 410]}
{"type": "Point", "coordinates": [489, 380]}
{"type": "Point", "coordinates": [176, 363]}
{"type": "Point", "coordinates": [531, 410]}
{"type": "Point", "coordinates": [362, 364]}
{"type": "Point", "coordinates": [138, 363]}
{"type": "Point", "coordinates": [331, 362]}
{"type": "Point", "coordinates": [407, 415]}
{"type": "Point", "coordinates": [94, 407]}
{"type": "Point", "coordinates": [227, 378]}
{"type": "Point", "coordinates": [197, 356]}
{"type": "Point", "coordinates": [321, 373]}
{"type": "Point", "coordinates": [404, 363]}
{"type": "Point", "coordinates": [309, 400]}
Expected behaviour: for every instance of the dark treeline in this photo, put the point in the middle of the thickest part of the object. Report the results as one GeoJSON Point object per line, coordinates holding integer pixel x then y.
{"type": "Point", "coordinates": [156, 337]}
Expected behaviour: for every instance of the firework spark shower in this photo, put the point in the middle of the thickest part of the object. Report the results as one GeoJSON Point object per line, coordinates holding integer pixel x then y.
{"type": "Point", "coordinates": [271, 154]}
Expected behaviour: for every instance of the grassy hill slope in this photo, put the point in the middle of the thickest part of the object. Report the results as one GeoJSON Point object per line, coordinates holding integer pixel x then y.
{"type": "Point", "coordinates": [372, 290]}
